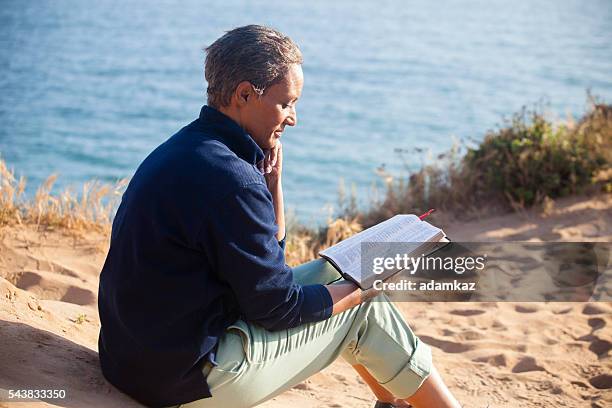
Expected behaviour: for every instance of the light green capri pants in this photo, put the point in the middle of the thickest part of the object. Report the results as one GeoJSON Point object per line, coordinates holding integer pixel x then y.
{"type": "Point", "coordinates": [256, 365]}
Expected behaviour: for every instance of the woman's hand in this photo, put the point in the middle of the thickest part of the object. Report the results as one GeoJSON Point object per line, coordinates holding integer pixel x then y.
{"type": "Point", "coordinates": [273, 164]}
{"type": "Point", "coordinates": [272, 169]}
{"type": "Point", "coordinates": [346, 295]}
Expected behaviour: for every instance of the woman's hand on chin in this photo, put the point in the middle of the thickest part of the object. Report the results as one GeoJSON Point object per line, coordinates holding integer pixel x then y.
{"type": "Point", "coordinates": [273, 163]}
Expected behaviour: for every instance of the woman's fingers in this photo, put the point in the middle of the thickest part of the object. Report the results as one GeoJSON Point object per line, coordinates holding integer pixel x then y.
{"type": "Point", "coordinates": [273, 159]}
{"type": "Point", "coordinates": [267, 161]}
{"type": "Point", "coordinates": [267, 168]}
{"type": "Point", "coordinates": [274, 154]}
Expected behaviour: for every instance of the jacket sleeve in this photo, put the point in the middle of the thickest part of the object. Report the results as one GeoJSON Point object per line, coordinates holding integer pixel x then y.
{"type": "Point", "coordinates": [251, 261]}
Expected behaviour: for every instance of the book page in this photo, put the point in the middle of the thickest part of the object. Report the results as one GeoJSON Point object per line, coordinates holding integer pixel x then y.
{"type": "Point", "coordinates": [400, 228]}
{"type": "Point", "coordinates": [418, 232]}
{"type": "Point", "coordinates": [346, 252]}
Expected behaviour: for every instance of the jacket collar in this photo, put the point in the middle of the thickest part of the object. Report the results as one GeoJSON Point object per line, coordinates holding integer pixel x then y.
{"type": "Point", "coordinates": [228, 132]}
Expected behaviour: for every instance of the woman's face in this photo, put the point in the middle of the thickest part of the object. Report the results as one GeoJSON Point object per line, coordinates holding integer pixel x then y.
{"type": "Point", "coordinates": [265, 117]}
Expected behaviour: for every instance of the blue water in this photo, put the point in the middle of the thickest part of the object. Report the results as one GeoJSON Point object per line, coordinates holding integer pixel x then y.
{"type": "Point", "coordinates": [88, 89]}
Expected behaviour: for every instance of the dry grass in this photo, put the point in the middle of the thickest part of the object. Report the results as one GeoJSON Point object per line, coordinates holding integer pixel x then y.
{"type": "Point", "coordinates": [92, 209]}
{"type": "Point", "coordinates": [10, 192]}
{"type": "Point", "coordinates": [304, 244]}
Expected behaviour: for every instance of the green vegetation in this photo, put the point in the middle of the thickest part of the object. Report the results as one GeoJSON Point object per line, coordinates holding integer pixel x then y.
{"type": "Point", "coordinates": [81, 318]}
{"type": "Point", "coordinates": [531, 159]}
{"type": "Point", "coordinates": [525, 163]}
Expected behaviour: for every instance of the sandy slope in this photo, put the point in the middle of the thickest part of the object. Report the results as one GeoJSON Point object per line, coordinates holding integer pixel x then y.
{"type": "Point", "coordinates": [491, 354]}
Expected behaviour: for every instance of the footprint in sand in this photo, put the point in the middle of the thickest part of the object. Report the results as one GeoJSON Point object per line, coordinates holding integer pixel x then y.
{"type": "Point", "coordinates": [446, 346]}
{"type": "Point", "coordinates": [564, 310]}
{"type": "Point", "coordinates": [526, 308]}
{"type": "Point", "coordinates": [302, 386]}
{"type": "Point", "coordinates": [597, 323]}
{"type": "Point", "coordinates": [470, 335]}
{"type": "Point", "coordinates": [78, 296]}
{"type": "Point", "coordinates": [527, 364]}
{"type": "Point", "coordinates": [550, 341]}
{"type": "Point", "coordinates": [592, 310]}
{"type": "Point", "coordinates": [467, 312]}
{"type": "Point", "coordinates": [598, 346]}
{"type": "Point", "coordinates": [497, 325]}
{"type": "Point", "coordinates": [447, 332]}
{"type": "Point", "coordinates": [496, 360]}
{"type": "Point", "coordinates": [340, 378]}
{"type": "Point", "coordinates": [580, 384]}
{"type": "Point", "coordinates": [25, 280]}
{"type": "Point", "coordinates": [602, 382]}
{"type": "Point", "coordinates": [50, 286]}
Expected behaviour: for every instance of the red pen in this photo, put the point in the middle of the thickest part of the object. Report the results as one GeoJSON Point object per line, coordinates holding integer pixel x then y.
{"type": "Point", "coordinates": [422, 216]}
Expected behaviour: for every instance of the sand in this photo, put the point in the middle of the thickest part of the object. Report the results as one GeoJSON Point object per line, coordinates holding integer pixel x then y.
{"type": "Point", "coordinates": [495, 354]}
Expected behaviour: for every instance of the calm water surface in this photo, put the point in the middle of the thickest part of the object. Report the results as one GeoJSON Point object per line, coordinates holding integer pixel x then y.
{"type": "Point", "coordinates": [88, 89]}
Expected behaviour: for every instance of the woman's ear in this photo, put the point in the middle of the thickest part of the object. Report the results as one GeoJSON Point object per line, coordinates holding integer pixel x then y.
{"type": "Point", "coordinates": [243, 92]}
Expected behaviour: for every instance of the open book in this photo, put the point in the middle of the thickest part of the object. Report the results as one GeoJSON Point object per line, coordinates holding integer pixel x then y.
{"type": "Point", "coordinates": [420, 237]}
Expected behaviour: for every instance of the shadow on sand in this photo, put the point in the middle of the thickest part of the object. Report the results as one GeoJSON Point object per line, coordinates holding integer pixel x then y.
{"type": "Point", "coordinates": [34, 359]}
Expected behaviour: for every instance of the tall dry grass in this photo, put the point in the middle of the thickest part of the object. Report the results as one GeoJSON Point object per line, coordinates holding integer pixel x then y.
{"type": "Point", "coordinates": [92, 209]}
{"type": "Point", "coordinates": [303, 244]}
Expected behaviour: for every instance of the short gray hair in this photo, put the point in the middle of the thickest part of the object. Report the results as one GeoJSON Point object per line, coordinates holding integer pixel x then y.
{"type": "Point", "coordinates": [254, 53]}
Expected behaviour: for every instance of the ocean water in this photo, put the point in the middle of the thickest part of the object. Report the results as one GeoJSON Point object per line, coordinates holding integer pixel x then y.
{"type": "Point", "coordinates": [88, 89]}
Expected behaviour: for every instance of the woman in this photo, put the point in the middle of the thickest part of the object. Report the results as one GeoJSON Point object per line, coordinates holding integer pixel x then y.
{"type": "Point", "coordinates": [197, 305]}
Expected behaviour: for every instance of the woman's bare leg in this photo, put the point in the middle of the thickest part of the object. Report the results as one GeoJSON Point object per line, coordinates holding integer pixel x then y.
{"type": "Point", "coordinates": [381, 393]}
{"type": "Point", "coordinates": [432, 393]}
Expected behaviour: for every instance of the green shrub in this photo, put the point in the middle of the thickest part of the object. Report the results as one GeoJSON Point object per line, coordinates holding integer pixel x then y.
{"type": "Point", "coordinates": [524, 163]}
{"type": "Point", "coordinates": [532, 159]}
